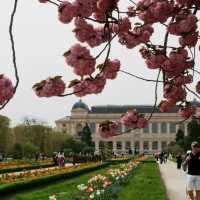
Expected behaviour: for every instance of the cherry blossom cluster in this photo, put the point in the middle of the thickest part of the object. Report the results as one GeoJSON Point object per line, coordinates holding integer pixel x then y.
{"type": "Point", "coordinates": [108, 129]}
{"type": "Point", "coordinates": [79, 58]}
{"type": "Point", "coordinates": [6, 89]}
{"type": "Point", "coordinates": [132, 119]}
{"type": "Point", "coordinates": [187, 111]}
{"type": "Point", "coordinates": [86, 32]}
{"type": "Point", "coordinates": [185, 25]}
{"type": "Point", "coordinates": [152, 11]}
{"type": "Point", "coordinates": [97, 84]}
{"type": "Point", "coordinates": [176, 67]}
{"type": "Point", "coordinates": [88, 86]}
{"type": "Point", "coordinates": [132, 38]}
{"type": "Point", "coordinates": [85, 8]}
{"type": "Point", "coordinates": [50, 87]}
{"type": "Point", "coordinates": [133, 27]}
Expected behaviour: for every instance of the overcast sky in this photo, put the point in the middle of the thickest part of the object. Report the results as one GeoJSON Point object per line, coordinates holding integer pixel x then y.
{"type": "Point", "coordinates": [40, 42]}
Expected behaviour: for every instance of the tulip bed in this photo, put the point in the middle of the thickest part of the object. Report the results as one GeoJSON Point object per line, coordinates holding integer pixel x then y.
{"type": "Point", "coordinates": [20, 165]}
{"type": "Point", "coordinates": [24, 180]}
{"type": "Point", "coordinates": [106, 186]}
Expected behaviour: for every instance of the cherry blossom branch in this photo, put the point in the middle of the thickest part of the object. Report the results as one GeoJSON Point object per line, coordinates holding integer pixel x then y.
{"type": "Point", "coordinates": [133, 2]}
{"type": "Point", "coordinates": [13, 51]}
{"type": "Point", "coordinates": [105, 46]}
{"type": "Point", "coordinates": [69, 94]}
{"type": "Point", "coordinates": [52, 2]}
{"type": "Point", "coordinates": [191, 91]}
{"type": "Point", "coordinates": [156, 97]}
{"type": "Point", "coordinates": [141, 78]}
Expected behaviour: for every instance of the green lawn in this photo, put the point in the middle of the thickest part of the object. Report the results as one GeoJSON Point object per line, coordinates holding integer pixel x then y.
{"type": "Point", "coordinates": [146, 184]}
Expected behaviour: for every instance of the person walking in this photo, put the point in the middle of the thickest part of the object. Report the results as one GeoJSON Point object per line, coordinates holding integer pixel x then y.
{"type": "Point", "coordinates": [179, 160]}
{"type": "Point", "coordinates": [192, 165]}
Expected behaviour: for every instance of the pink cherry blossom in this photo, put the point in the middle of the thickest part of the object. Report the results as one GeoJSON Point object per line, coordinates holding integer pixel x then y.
{"type": "Point", "coordinates": [111, 69]}
{"type": "Point", "coordinates": [130, 118]}
{"type": "Point", "coordinates": [80, 59]}
{"type": "Point", "coordinates": [108, 129]}
{"type": "Point", "coordinates": [6, 89]}
{"type": "Point", "coordinates": [155, 61]}
{"type": "Point", "coordinates": [198, 87]}
{"type": "Point", "coordinates": [187, 112]}
{"type": "Point", "coordinates": [140, 34]}
{"type": "Point", "coordinates": [165, 106]}
{"type": "Point", "coordinates": [50, 87]}
{"type": "Point", "coordinates": [89, 86]}
{"type": "Point", "coordinates": [43, 1]}
{"type": "Point", "coordinates": [152, 11]}
{"type": "Point", "coordinates": [142, 122]}
{"type": "Point", "coordinates": [66, 12]}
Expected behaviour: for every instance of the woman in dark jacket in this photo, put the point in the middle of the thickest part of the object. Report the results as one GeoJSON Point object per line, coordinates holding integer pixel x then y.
{"type": "Point", "coordinates": [179, 160]}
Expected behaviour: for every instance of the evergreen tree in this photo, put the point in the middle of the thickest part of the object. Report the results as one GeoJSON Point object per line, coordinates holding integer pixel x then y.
{"type": "Point", "coordinates": [86, 135]}
{"type": "Point", "coordinates": [193, 133]}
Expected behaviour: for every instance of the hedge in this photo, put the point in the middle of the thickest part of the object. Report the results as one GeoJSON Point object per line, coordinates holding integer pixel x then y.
{"type": "Point", "coordinates": [22, 185]}
{"type": "Point", "coordinates": [19, 169]}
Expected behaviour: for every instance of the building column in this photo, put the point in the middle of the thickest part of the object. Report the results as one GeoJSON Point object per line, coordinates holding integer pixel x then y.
{"type": "Point", "coordinates": [150, 146]}
{"type": "Point", "coordinates": [97, 147]}
{"type": "Point", "coordinates": [185, 129]}
{"type": "Point", "coordinates": [123, 146]}
{"type": "Point", "coordinates": [132, 147]}
{"type": "Point", "coordinates": [114, 147]}
{"type": "Point", "coordinates": [168, 130]}
{"type": "Point", "coordinates": [159, 128]}
{"type": "Point", "coordinates": [141, 147]}
{"type": "Point", "coordinates": [159, 146]}
{"type": "Point", "coordinates": [150, 128]}
{"type": "Point", "coordinates": [96, 127]}
{"type": "Point", "coordinates": [123, 128]}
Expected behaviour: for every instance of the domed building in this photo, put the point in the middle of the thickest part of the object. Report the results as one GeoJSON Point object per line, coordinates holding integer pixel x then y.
{"type": "Point", "coordinates": [159, 133]}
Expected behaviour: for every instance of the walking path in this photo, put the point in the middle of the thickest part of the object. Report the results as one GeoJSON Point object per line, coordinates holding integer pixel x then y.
{"type": "Point", "coordinates": [174, 181]}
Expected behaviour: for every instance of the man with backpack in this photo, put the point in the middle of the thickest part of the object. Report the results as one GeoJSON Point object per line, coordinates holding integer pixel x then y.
{"type": "Point", "coordinates": [192, 165]}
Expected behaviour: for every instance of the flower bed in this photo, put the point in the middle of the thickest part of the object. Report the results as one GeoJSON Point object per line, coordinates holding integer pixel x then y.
{"type": "Point", "coordinates": [24, 162]}
{"type": "Point", "coordinates": [27, 167]}
{"type": "Point", "coordinates": [106, 187]}
{"type": "Point", "coordinates": [16, 183]}
{"type": "Point", "coordinates": [15, 166]}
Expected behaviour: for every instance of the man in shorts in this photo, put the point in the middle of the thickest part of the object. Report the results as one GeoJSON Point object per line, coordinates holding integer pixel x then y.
{"type": "Point", "coordinates": [192, 162]}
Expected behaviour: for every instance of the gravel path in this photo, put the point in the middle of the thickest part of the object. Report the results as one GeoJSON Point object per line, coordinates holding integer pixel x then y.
{"type": "Point", "coordinates": [174, 181]}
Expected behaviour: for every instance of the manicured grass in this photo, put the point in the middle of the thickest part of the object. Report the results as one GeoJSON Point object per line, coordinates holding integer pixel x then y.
{"type": "Point", "coordinates": [63, 190]}
{"type": "Point", "coordinates": [146, 184]}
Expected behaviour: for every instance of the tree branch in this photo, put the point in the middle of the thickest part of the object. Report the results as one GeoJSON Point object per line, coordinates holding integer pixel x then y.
{"type": "Point", "coordinates": [13, 50]}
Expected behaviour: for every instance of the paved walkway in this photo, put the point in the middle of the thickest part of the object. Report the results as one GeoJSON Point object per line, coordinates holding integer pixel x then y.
{"type": "Point", "coordinates": [174, 180]}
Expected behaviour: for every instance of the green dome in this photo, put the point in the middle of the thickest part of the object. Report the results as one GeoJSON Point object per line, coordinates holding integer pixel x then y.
{"type": "Point", "coordinates": [80, 104]}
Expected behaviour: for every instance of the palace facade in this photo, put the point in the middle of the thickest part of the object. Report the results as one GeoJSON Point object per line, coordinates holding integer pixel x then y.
{"type": "Point", "coordinates": [159, 133]}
